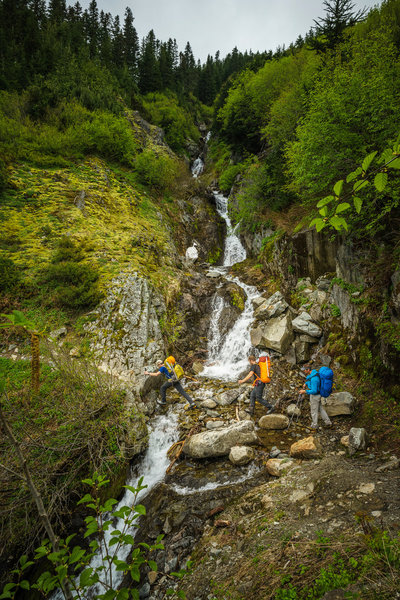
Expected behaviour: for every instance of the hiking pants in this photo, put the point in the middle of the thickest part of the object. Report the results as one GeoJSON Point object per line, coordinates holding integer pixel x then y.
{"type": "Point", "coordinates": [317, 408]}
{"type": "Point", "coordinates": [257, 394]}
{"type": "Point", "coordinates": [178, 387]}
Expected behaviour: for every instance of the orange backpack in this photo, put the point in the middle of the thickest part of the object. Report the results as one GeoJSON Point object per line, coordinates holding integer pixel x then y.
{"type": "Point", "coordinates": [264, 362]}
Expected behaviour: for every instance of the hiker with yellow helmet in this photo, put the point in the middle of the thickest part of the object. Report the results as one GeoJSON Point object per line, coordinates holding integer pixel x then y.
{"type": "Point", "coordinates": [173, 372]}
{"type": "Point", "coordinates": [260, 369]}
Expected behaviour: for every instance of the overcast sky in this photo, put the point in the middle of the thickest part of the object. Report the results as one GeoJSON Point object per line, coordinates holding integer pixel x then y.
{"type": "Point", "coordinates": [211, 25]}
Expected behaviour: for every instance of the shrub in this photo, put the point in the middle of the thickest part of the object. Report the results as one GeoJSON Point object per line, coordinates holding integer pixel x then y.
{"type": "Point", "coordinates": [75, 282]}
{"type": "Point", "coordinates": [155, 170]}
{"type": "Point", "coordinates": [227, 178]}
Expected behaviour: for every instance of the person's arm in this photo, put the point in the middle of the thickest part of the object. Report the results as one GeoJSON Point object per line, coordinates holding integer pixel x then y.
{"type": "Point", "coordinates": [156, 374]}
{"type": "Point", "coordinates": [247, 377]}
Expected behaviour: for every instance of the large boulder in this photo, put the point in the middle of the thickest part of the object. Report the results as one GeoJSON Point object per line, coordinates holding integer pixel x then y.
{"type": "Point", "coordinates": [306, 448]}
{"type": "Point", "coordinates": [304, 324]}
{"type": "Point", "coordinates": [274, 334]}
{"type": "Point", "coordinates": [358, 439]}
{"type": "Point", "coordinates": [273, 422]}
{"type": "Point", "coordinates": [340, 403]}
{"type": "Point", "coordinates": [241, 455]}
{"type": "Point", "coordinates": [274, 306]}
{"type": "Point", "coordinates": [219, 442]}
{"type": "Point", "coordinates": [302, 350]}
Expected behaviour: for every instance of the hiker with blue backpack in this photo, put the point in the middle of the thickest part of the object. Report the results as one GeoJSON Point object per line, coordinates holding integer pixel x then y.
{"type": "Point", "coordinates": [318, 386]}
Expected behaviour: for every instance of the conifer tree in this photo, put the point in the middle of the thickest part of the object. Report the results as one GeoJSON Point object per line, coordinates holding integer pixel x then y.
{"type": "Point", "coordinates": [328, 30]}
{"type": "Point", "coordinates": [131, 42]}
{"type": "Point", "coordinates": [57, 10]}
{"type": "Point", "coordinates": [149, 70]}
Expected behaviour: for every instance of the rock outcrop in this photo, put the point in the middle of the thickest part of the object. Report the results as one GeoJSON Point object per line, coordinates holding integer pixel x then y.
{"type": "Point", "coordinates": [220, 442]}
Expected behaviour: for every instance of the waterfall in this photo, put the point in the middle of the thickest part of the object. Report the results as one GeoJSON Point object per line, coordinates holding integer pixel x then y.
{"type": "Point", "coordinates": [227, 358]}
{"type": "Point", "coordinates": [197, 167]}
{"type": "Point", "coordinates": [164, 432]}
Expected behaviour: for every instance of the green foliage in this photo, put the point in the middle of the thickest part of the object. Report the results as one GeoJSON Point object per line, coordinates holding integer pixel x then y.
{"type": "Point", "coordinates": [227, 178]}
{"type": "Point", "coordinates": [10, 274]}
{"type": "Point", "coordinates": [156, 170]}
{"type": "Point", "coordinates": [75, 283]}
{"type": "Point", "coordinates": [71, 564]}
{"type": "Point", "coordinates": [177, 123]}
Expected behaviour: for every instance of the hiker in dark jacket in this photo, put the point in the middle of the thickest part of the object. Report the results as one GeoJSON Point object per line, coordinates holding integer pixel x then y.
{"type": "Point", "coordinates": [258, 387]}
{"type": "Point", "coordinates": [311, 387]}
{"type": "Point", "coordinates": [171, 381]}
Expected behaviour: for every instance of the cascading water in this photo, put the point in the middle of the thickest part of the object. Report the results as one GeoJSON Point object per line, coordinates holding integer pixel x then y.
{"type": "Point", "coordinates": [164, 432]}
{"type": "Point", "coordinates": [197, 167]}
{"type": "Point", "coordinates": [227, 358]}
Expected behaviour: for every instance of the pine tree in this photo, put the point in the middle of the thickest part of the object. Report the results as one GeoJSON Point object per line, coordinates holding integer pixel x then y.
{"type": "Point", "coordinates": [329, 30]}
{"type": "Point", "coordinates": [57, 10]}
{"type": "Point", "coordinates": [91, 20]}
{"type": "Point", "coordinates": [131, 42]}
{"type": "Point", "coordinates": [149, 71]}
{"type": "Point", "coordinates": [117, 44]}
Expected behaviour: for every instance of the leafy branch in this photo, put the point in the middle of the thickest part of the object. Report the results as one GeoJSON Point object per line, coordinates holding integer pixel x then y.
{"type": "Point", "coordinates": [332, 207]}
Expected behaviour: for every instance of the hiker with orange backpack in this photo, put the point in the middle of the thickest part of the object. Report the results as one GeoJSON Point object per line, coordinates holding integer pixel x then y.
{"type": "Point", "coordinates": [173, 372]}
{"type": "Point", "coordinates": [260, 369]}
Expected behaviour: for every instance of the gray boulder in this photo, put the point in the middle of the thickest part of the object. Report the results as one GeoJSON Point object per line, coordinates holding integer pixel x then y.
{"type": "Point", "coordinates": [304, 324]}
{"type": "Point", "coordinates": [358, 439]}
{"type": "Point", "coordinates": [275, 334]}
{"type": "Point", "coordinates": [220, 441]}
{"type": "Point", "coordinates": [227, 398]}
{"type": "Point", "coordinates": [274, 306]}
{"type": "Point", "coordinates": [241, 455]}
{"type": "Point", "coordinates": [273, 422]}
{"type": "Point", "coordinates": [340, 403]}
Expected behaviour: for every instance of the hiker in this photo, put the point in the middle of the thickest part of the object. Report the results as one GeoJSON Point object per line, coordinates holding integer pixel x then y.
{"type": "Point", "coordinates": [167, 368]}
{"type": "Point", "coordinates": [312, 388]}
{"type": "Point", "coordinates": [258, 385]}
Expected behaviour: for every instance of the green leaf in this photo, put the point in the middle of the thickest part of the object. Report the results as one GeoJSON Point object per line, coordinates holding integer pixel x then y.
{"type": "Point", "coordinates": [353, 175]}
{"type": "Point", "coordinates": [337, 223]}
{"type": "Point", "coordinates": [140, 509]}
{"type": "Point", "coordinates": [337, 188]}
{"type": "Point", "coordinates": [324, 211]}
{"type": "Point", "coordinates": [359, 185]}
{"type": "Point", "coordinates": [325, 201]}
{"type": "Point", "coordinates": [85, 578]}
{"type": "Point", "coordinates": [380, 181]}
{"type": "Point", "coordinates": [386, 155]}
{"type": "Point", "coordinates": [395, 164]}
{"type": "Point", "coordinates": [153, 565]}
{"type": "Point", "coordinates": [342, 207]}
{"type": "Point", "coordinates": [368, 160]}
{"type": "Point", "coordinates": [357, 204]}
{"type": "Point", "coordinates": [135, 574]}
{"type": "Point", "coordinates": [320, 225]}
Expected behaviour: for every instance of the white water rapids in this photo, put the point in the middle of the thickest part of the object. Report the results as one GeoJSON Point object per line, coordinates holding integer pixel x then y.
{"type": "Point", "coordinates": [227, 358]}
{"type": "Point", "coordinates": [164, 432]}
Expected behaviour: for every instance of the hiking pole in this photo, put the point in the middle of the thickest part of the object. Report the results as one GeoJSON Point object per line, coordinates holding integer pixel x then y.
{"type": "Point", "coordinates": [299, 399]}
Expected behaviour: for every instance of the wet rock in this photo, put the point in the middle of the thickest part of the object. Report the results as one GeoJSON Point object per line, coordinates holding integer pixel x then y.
{"type": "Point", "coordinates": [306, 448]}
{"type": "Point", "coordinates": [304, 324]}
{"type": "Point", "coordinates": [274, 452]}
{"type": "Point", "coordinates": [227, 398]}
{"type": "Point", "coordinates": [241, 455]}
{"type": "Point", "coordinates": [275, 334]}
{"type": "Point", "coordinates": [220, 441]}
{"type": "Point", "coordinates": [256, 302]}
{"type": "Point", "coordinates": [358, 439]}
{"type": "Point", "coordinates": [208, 404]}
{"type": "Point", "coordinates": [273, 422]}
{"type": "Point", "coordinates": [293, 410]}
{"type": "Point", "coordinates": [214, 424]}
{"type": "Point", "coordinates": [152, 576]}
{"type": "Point", "coordinates": [212, 413]}
{"type": "Point", "coordinates": [144, 591]}
{"type": "Point", "coordinates": [340, 403]}
{"type": "Point", "coordinates": [277, 466]}
{"type": "Point", "coordinates": [197, 367]}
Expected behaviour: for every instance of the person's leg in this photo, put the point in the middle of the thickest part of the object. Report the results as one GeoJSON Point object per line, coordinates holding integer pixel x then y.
{"type": "Point", "coordinates": [179, 388]}
{"type": "Point", "coordinates": [259, 396]}
{"type": "Point", "coordinates": [252, 401]}
{"type": "Point", "coordinates": [163, 391]}
{"type": "Point", "coordinates": [324, 414]}
{"type": "Point", "coordinates": [314, 407]}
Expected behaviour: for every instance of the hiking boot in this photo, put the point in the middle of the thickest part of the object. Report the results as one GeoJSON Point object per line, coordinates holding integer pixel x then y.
{"type": "Point", "coordinates": [193, 405]}
{"type": "Point", "coordinates": [328, 425]}
{"type": "Point", "coordinates": [270, 410]}
{"type": "Point", "coordinates": [161, 402]}
{"type": "Point", "coordinates": [248, 411]}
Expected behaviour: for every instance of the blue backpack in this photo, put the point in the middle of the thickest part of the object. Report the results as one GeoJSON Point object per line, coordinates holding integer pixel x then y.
{"type": "Point", "coordinates": [325, 381]}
